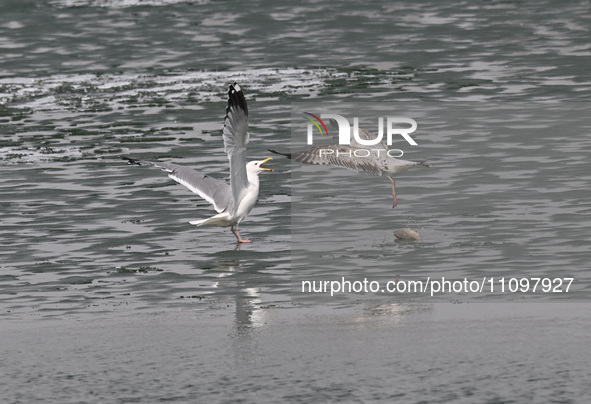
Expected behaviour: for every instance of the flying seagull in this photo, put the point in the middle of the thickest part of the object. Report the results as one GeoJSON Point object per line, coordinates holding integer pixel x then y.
{"type": "Point", "coordinates": [372, 160]}
{"type": "Point", "coordinates": [235, 200]}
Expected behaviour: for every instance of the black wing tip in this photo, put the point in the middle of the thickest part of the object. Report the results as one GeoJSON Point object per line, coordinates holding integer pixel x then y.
{"type": "Point", "coordinates": [131, 160]}
{"type": "Point", "coordinates": [236, 98]}
{"type": "Point", "coordinates": [288, 155]}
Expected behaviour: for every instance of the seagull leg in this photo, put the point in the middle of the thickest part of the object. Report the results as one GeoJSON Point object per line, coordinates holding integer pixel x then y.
{"type": "Point", "coordinates": [237, 234]}
{"type": "Point", "coordinates": [393, 193]}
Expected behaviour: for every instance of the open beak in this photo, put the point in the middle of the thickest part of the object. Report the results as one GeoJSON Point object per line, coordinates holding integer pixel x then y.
{"type": "Point", "coordinates": [264, 161]}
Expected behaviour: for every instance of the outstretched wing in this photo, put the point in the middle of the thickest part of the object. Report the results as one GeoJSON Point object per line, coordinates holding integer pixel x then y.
{"type": "Point", "coordinates": [356, 157]}
{"type": "Point", "coordinates": [236, 138]}
{"type": "Point", "coordinates": [340, 156]}
{"type": "Point", "coordinates": [214, 191]}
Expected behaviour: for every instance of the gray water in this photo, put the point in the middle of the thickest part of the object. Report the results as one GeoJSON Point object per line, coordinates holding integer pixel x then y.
{"type": "Point", "coordinates": [107, 294]}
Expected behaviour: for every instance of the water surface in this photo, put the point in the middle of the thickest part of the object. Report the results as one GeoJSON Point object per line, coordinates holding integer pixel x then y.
{"type": "Point", "coordinates": [107, 294]}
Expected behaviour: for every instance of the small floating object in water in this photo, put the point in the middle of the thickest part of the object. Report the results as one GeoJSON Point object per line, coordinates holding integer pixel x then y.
{"type": "Point", "coordinates": [407, 234]}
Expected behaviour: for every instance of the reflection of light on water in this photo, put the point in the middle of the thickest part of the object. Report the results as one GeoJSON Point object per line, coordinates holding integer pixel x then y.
{"type": "Point", "coordinates": [75, 92]}
{"type": "Point", "coordinates": [248, 308]}
{"type": "Point", "coordinates": [248, 301]}
{"type": "Point", "coordinates": [119, 3]}
{"type": "Point", "coordinates": [35, 155]}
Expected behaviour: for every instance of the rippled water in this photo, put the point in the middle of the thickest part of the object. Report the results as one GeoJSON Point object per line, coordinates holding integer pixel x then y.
{"type": "Point", "coordinates": [107, 294]}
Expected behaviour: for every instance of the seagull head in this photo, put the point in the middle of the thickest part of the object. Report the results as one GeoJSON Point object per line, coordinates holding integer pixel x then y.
{"type": "Point", "coordinates": [256, 166]}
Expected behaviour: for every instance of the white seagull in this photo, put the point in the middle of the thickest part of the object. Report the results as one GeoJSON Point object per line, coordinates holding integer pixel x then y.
{"type": "Point", "coordinates": [372, 160]}
{"type": "Point", "coordinates": [234, 201]}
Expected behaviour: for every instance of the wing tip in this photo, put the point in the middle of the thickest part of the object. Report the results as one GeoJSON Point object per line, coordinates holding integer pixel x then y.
{"type": "Point", "coordinates": [131, 160]}
{"type": "Point", "coordinates": [236, 98]}
{"type": "Point", "coordinates": [235, 87]}
{"type": "Point", "coordinates": [288, 155]}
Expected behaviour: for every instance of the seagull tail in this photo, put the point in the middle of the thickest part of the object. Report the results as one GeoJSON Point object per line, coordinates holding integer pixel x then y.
{"type": "Point", "coordinates": [423, 163]}
{"type": "Point", "coordinates": [221, 220]}
{"type": "Point", "coordinates": [288, 155]}
{"type": "Point", "coordinates": [197, 222]}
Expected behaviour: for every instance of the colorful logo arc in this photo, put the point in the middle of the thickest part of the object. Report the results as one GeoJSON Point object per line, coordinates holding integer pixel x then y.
{"type": "Point", "coordinates": [316, 123]}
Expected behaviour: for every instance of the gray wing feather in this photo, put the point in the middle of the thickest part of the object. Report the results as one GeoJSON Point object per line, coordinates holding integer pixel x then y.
{"type": "Point", "coordinates": [214, 191]}
{"type": "Point", "coordinates": [339, 158]}
{"type": "Point", "coordinates": [236, 138]}
{"type": "Point", "coordinates": [373, 164]}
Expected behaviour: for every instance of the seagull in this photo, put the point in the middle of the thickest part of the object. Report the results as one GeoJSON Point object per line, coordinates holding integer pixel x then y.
{"type": "Point", "coordinates": [232, 201]}
{"type": "Point", "coordinates": [372, 160]}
